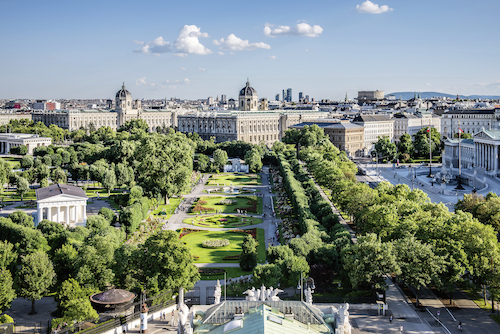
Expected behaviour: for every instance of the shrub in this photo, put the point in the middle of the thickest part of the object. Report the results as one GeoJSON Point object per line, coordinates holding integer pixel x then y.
{"type": "Point", "coordinates": [215, 243]}
{"type": "Point", "coordinates": [6, 319]}
{"type": "Point", "coordinates": [231, 257]}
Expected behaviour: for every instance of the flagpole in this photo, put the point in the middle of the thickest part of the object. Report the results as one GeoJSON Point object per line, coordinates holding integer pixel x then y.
{"type": "Point", "coordinates": [459, 184]}
{"type": "Point", "coordinates": [430, 151]}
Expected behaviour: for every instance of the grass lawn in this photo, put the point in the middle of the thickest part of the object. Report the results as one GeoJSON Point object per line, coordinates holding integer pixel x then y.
{"type": "Point", "coordinates": [213, 203]}
{"type": "Point", "coordinates": [216, 255]}
{"type": "Point", "coordinates": [229, 221]}
{"type": "Point", "coordinates": [92, 192]}
{"type": "Point", "coordinates": [478, 299]}
{"type": "Point", "coordinates": [231, 272]}
{"type": "Point", "coordinates": [235, 179]}
{"type": "Point", "coordinates": [10, 196]}
{"type": "Point", "coordinates": [15, 163]}
{"type": "Point", "coordinates": [166, 210]}
{"type": "Point", "coordinates": [496, 318]}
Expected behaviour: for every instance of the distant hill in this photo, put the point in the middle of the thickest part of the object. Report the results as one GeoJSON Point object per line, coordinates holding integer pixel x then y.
{"type": "Point", "coordinates": [426, 95]}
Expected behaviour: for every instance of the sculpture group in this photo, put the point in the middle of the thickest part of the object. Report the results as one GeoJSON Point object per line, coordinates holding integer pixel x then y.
{"type": "Point", "coordinates": [263, 294]}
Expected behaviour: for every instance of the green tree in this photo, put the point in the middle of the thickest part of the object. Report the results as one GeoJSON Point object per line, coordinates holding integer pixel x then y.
{"type": "Point", "coordinates": [418, 263]}
{"type": "Point", "coordinates": [253, 160]}
{"type": "Point", "coordinates": [7, 254]}
{"type": "Point", "coordinates": [385, 149]}
{"type": "Point", "coordinates": [165, 164]}
{"type": "Point", "coordinates": [7, 292]}
{"type": "Point", "coordinates": [22, 186]}
{"type": "Point", "coordinates": [422, 142]}
{"type": "Point", "coordinates": [368, 261]}
{"type": "Point", "coordinates": [220, 158]}
{"type": "Point", "coordinates": [267, 274]}
{"type": "Point", "coordinates": [107, 213]}
{"type": "Point", "coordinates": [202, 162]}
{"type": "Point", "coordinates": [464, 135]}
{"type": "Point", "coordinates": [166, 263]}
{"type": "Point", "coordinates": [27, 162]}
{"type": "Point", "coordinates": [35, 277]}
{"type": "Point", "coordinates": [22, 218]}
{"type": "Point", "coordinates": [248, 256]}
{"type": "Point", "coordinates": [74, 303]}
{"type": "Point", "coordinates": [405, 144]}
{"type": "Point", "coordinates": [109, 180]}
{"type": "Point", "coordinates": [58, 175]}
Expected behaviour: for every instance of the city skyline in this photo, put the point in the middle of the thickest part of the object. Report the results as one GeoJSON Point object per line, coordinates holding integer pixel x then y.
{"type": "Point", "coordinates": [194, 49]}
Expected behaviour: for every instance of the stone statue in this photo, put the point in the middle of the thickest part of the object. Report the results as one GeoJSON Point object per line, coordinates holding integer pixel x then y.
{"type": "Point", "coordinates": [183, 319]}
{"type": "Point", "coordinates": [274, 296]}
{"type": "Point", "coordinates": [343, 325]}
{"type": "Point", "coordinates": [217, 293]}
{"type": "Point", "coordinates": [251, 296]}
{"type": "Point", "coordinates": [263, 294]}
{"type": "Point", "coordinates": [309, 296]}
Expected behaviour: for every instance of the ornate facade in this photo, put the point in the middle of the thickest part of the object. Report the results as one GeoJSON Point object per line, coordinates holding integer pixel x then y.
{"type": "Point", "coordinates": [126, 110]}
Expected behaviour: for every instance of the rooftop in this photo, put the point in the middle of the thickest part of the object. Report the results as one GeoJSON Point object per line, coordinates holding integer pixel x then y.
{"type": "Point", "coordinates": [59, 189]}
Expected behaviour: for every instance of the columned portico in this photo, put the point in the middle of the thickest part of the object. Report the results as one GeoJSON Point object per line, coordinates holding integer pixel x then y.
{"type": "Point", "coordinates": [62, 204]}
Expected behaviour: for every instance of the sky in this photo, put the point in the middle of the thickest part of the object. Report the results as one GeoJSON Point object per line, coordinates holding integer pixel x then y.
{"type": "Point", "coordinates": [196, 49]}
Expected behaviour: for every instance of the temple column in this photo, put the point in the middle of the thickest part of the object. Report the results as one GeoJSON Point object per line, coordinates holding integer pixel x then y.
{"type": "Point", "coordinates": [74, 214]}
{"type": "Point", "coordinates": [58, 214]}
{"type": "Point", "coordinates": [39, 215]}
{"type": "Point", "coordinates": [84, 214]}
{"type": "Point", "coordinates": [495, 159]}
{"type": "Point", "coordinates": [67, 215]}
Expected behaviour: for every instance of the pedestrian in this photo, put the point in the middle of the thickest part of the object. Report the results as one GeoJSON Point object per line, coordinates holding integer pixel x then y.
{"type": "Point", "coordinates": [390, 319]}
{"type": "Point", "coordinates": [401, 329]}
{"type": "Point", "coordinates": [460, 325]}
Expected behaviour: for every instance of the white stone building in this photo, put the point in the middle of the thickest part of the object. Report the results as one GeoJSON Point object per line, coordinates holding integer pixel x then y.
{"type": "Point", "coordinates": [62, 203]}
{"type": "Point", "coordinates": [411, 124]}
{"type": "Point", "coordinates": [376, 126]}
{"type": "Point", "coordinates": [471, 120]}
{"type": "Point", "coordinates": [10, 140]}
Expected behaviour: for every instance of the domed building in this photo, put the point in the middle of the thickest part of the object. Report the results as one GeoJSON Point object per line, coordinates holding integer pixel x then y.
{"type": "Point", "coordinates": [248, 99]}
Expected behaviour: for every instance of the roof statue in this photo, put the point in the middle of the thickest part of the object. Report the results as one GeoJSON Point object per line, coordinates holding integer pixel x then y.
{"type": "Point", "coordinates": [217, 292]}
{"type": "Point", "coordinates": [263, 294]}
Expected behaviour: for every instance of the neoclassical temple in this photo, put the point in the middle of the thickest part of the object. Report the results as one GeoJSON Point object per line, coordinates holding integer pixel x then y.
{"type": "Point", "coordinates": [62, 203]}
{"type": "Point", "coordinates": [10, 140]}
{"type": "Point", "coordinates": [478, 156]}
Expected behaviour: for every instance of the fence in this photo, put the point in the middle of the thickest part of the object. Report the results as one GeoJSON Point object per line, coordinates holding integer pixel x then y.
{"type": "Point", "coordinates": [30, 327]}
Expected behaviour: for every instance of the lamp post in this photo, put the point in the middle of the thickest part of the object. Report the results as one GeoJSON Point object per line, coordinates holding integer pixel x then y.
{"type": "Point", "coordinates": [430, 151]}
{"type": "Point", "coordinates": [309, 282]}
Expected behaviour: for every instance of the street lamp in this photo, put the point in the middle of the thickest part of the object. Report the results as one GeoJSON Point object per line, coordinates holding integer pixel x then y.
{"type": "Point", "coordinates": [309, 283]}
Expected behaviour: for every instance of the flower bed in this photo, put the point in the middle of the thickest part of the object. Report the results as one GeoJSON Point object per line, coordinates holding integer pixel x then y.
{"type": "Point", "coordinates": [186, 231]}
{"type": "Point", "coordinates": [199, 207]}
{"type": "Point", "coordinates": [209, 271]}
{"type": "Point", "coordinates": [215, 243]}
{"type": "Point", "coordinates": [252, 232]}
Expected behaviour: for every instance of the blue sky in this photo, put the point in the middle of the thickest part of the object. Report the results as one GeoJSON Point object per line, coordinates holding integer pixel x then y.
{"type": "Point", "coordinates": [195, 49]}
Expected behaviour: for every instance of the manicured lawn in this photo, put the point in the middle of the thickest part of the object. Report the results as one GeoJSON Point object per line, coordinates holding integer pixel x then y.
{"type": "Point", "coordinates": [10, 196]}
{"type": "Point", "coordinates": [227, 179]}
{"type": "Point", "coordinates": [213, 204]}
{"type": "Point", "coordinates": [231, 272]}
{"type": "Point", "coordinates": [478, 299]}
{"type": "Point", "coordinates": [166, 210]}
{"type": "Point", "coordinates": [216, 255]}
{"type": "Point", "coordinates": [92, 192]}
{"type": "Point", "coordinates": [222, 221]}
{"type": "Point", "coordinates": [15, 163]}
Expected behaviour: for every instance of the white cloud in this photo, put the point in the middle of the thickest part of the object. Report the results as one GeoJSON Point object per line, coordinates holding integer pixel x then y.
{"type": "Point", "coordinates": [369, 7]}
{"type": "Point", "coordinates": [187, 43]}
{"type": "Point", "coordinates": [301, 29]}
{"type": "Point", "coordinates": [169, 84]}
{"type": "Point", "coordinates": [237, 44]}
{"type": "Point", "coordinates": [220, 53]}
{"type": "Point", "coordinates": [201, 69]}
{"type": "Point", "coordinates": [183, 69]}
{"type": "Point", "coordinates": [188, 40]}
{"type": "Point", "coordinates": [157, 45]}
{"type": "Point", "coordinates": [272, 57]}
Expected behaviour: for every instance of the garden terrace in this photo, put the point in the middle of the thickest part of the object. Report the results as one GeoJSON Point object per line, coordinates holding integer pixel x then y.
{"type": "Point", "coordinates": [214, 204]}
{"type": "Point", "coordinates": [194, 240]}
{"type": "Point", "coordinates": [222, 221]}
{"type": "Point", "coordinates": [234, 179]}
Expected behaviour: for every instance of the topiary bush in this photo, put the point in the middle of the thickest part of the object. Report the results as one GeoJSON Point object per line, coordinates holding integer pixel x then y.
{"type": "Point", "coordinates": [215, 243]}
